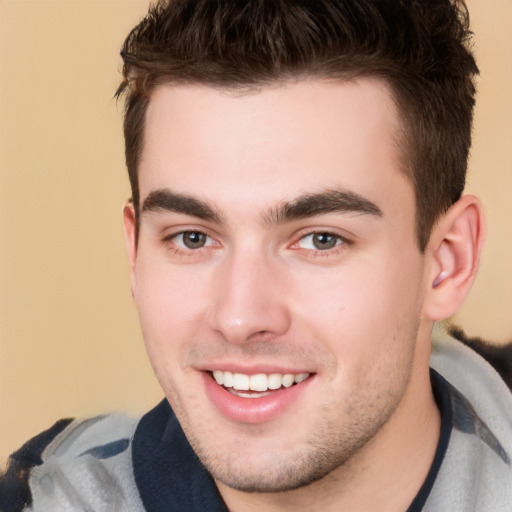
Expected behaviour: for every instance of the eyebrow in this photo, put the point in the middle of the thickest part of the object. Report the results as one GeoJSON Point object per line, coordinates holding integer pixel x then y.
{"type": "Point", "coordinates": [307, 205]}
{"type": "Point", "coordinates": [322, 203]}
{"type": "Point", "coordinates": [165, 200]}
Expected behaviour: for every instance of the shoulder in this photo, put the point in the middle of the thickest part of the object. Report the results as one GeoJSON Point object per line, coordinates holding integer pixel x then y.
{"type": "Point", "coordinates": [14, 489]}
{"type": "Point", "coordinates": [467, 370]}
{"type": "Point", "coordinates": [477, 468]}
{"type": "Point", "coordinates": [71, 466]}
{"type": "Point", "coordinates": [499, 356]}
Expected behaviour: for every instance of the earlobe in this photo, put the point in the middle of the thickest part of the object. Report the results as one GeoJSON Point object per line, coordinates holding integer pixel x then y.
{"type": "Point", "coordinates": [454, 248]}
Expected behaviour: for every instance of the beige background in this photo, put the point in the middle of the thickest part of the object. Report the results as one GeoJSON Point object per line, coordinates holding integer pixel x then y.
{"type": "Point", "coordinates": [69, 337]}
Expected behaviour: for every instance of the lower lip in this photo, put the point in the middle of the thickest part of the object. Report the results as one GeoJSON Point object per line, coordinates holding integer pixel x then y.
{"type": "Point", "coordinates": [252, 410]}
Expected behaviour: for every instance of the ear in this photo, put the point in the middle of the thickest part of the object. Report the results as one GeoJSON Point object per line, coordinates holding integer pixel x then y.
{"type": "Point", "coordinates": [130, 237]}
{"type": "Point", "coordinates": [454, 252]}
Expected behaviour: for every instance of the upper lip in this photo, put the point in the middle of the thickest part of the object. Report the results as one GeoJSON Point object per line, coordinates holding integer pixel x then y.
{"type": "Point", "coordinates": [252, 369]}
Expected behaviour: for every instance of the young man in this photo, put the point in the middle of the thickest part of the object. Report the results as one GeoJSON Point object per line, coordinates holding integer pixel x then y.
{"type": "Point", "coordinates": [296, 229]}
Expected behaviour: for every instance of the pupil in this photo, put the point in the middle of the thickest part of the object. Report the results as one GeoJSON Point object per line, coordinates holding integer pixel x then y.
{"type": "Point", "coordinates": [324, 241]}
{"type": "Point", "coordinates": [193, 239]}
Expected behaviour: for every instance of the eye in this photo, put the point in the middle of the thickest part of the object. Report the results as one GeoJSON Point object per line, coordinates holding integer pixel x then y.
{"type": "Point", "coordinates": [320, 241]}
{"type": "Point", "coordinates": [191, 240]}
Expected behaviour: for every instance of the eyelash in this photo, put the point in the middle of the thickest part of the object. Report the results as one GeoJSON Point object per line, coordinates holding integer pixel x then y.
{"type": "Point", "coordinates": [171, 239]}
{"type": "Point", "coordinates": [341, 243]}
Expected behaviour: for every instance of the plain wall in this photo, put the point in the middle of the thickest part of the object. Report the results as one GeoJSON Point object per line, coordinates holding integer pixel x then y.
{"type": "Point", "coordinates": [69, 335]}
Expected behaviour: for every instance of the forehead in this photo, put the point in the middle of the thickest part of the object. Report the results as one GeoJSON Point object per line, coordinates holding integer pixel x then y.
{"type": "Point", "coordinates": [272, 143]}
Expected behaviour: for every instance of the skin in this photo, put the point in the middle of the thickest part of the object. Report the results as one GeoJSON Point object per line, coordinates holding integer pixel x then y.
{"type": "Point", "coordinates": [259, 294]}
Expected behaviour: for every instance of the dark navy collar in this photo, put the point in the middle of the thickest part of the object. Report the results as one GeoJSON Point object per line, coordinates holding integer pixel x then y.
{"type": "Point", "coordinates": [441, 390]}
{"type": "Point", "coordinates": [168, 474]}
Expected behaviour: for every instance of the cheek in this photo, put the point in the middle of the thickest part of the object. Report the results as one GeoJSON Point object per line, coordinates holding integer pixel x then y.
{"type": "Point", "coordinates": [165, 294]}
{"type": "Point", "coordinates": [169, 310]}
{"type": "Point", "coordinates": [358, 310]}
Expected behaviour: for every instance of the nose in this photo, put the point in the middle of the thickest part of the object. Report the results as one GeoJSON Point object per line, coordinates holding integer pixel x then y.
{"type": "Point", "coordinates": [248, 300]}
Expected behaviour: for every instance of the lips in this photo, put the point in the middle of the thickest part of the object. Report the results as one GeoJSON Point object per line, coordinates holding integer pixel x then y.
{"type": "Point", "coordinates": [254, 398]}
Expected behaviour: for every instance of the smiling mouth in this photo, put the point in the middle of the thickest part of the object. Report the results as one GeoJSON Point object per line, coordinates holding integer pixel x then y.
{"type": "Point", "coordinates": [258, 385]}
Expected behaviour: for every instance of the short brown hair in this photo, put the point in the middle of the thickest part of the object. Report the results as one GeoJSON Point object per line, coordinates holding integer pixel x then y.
{"type": "Point", "coordinates": [420, 48]}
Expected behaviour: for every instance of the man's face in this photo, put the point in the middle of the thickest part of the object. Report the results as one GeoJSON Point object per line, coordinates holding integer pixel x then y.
{"type": "Point", "coordinates": [277, 251]}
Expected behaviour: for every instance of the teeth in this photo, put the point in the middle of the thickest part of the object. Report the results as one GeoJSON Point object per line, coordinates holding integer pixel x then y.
{"type": "Point", "coordinates": [300, 377]}
{"type": "Point", "coordinates": [219, 377]}
{"type": "Point", "coordinates": [241, 381]}
{"type": "Point", "coordinates": [258, 382]}
{"type": "Point", "coordinates": [228, 379]}
{"type": "Point", "coordinates": [288, 380]}
{"type": "Point", "coordinates": [275, 380]}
